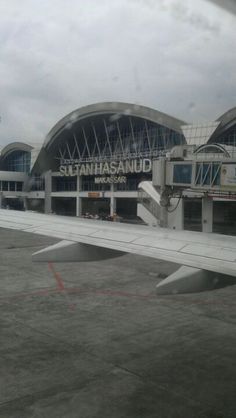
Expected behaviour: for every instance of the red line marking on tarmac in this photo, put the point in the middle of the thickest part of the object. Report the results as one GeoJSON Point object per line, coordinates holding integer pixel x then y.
{"type": "Point", "coordinates": [60, 288]}
{"type": "Point", "coordinates": [57, 276]}
{"type": "Point", "coordinates": [60, 285]}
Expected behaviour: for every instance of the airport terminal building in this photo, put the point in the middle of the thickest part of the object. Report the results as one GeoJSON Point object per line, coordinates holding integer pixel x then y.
{"type": "Point", "coordinates": [93, 160]}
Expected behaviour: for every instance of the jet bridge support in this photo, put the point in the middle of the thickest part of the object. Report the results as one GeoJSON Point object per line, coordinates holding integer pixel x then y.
{"type": "Point", "coordinates": [207, 214]}
{"type": "Point", "coordinates": [158, 210]}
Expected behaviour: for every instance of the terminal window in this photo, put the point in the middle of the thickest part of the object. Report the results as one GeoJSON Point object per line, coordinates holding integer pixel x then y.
{"type": "Point", "coordinates": [182, 173]}
{"type": "Point", "coordinates": [207, 174]}
{"type": "Point", "coordinates": [68, 184]}
{"type": "Point", "coordinates": [11, 186]}
{"type": "Point", "coordinates": [18, 161]}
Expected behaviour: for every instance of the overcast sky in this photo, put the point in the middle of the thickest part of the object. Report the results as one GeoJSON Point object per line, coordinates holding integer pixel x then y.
{"type": "Point", "coordinates": [56, 56]}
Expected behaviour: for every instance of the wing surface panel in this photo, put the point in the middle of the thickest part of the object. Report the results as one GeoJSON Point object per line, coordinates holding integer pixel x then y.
{"type": "Point", "coordinates": [211, 252]}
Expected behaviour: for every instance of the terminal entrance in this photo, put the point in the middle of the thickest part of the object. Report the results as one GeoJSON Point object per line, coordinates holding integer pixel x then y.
{"type": "Point", "coordinates": [126, 208]}
{"type": "Point", "coordinates": [65, 206]}
{"type": "Point", "coordinates": [96, 206]}
{"type": "Point", "coordinates": [13, 203]}
{"type": "Point", "coordinates": [35, 205]}
{"type": "Point", "coordinates": [193, 214]}
{"type": "Point", "coordinates": [224, 217]}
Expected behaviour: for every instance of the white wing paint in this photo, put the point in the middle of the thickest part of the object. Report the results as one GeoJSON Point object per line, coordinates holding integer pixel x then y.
{"type": "Point", "coordinates": [207, 258]}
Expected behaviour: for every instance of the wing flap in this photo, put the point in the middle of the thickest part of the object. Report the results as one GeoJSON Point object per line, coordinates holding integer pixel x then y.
{"type": "Point", "coordinates": [187, 280]}
{"type": "Point", "coordinates": [67, 251]}
{"type": "Point", "coordinates": [192, 280]}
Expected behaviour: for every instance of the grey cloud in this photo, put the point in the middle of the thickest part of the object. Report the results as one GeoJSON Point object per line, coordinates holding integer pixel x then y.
{"type": "Point", "coordinates": [57, 56]}
{"type": "Point", "coordinates": [229, 5]}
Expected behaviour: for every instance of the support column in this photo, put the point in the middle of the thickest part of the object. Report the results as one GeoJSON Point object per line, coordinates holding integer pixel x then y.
{"type": "Point", "coordinates": [163, 209]}
{"type": "Point", "coordinates": [112, 205]}
{"type": "Point", "coordinates": [207, 214]}
{"type": "Point", "coordinates": [78, 206]}
{"type": "Point", "coordinates": [78, 183]}
{"type": "Point", "coordinates": [48, 192]}
{"type": "Point", "coordinates": [1, 200]}
{"type": "Point", "coordinates": [176, 216]}
{"type": "Point", "coordinates": [25, 203]}
{"type": "Point", "coordinates": [78, 198]}
{"type": "Point", "coordinates": [112, 201]}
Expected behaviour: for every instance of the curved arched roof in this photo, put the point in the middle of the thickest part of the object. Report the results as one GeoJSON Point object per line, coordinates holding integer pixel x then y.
{"type": "Point", "coordinates": [215, 147]}
{"type": "Point", "coordinates": [228, 117]}
{"type": "Point", "coordinates": [14, 146]}
{"type": "Point", "coordinates": [113, 108]}
{"type": "Point", "coordinates": [227, 121]}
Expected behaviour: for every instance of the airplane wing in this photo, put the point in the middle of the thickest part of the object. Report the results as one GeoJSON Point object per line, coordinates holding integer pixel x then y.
{"type": "Point", "coordinates": [206, 258]}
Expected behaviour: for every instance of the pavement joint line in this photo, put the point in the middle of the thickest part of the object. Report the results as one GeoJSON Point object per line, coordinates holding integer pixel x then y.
{"type": "Point", "coordinates": [71, 387]}
{"type": "Point", "coordinates": [92, 354]}
{"type": "Point", "coordinates": [218, 319]}
{"type": "Point", "coordinates": [87, 351]}
{"type": "Point", "coordinates": [113, 366]}
{"type": "Point", "coordinates": [63, 342]}
{"type": "Point", "coordinates": [194, 311]}
{"type": "Point", "coordinates": [54, 390]}
{"type": "Point", "coordinates": [162, 387]}
{"type": "Point", "coordinates": [47, 394]}
{"type": "Point", "coordinates": [108, 362]}
{"type": "Point", "coordinates": [125, 369]}
{"type": "Point", "coordinates": [203, 314]}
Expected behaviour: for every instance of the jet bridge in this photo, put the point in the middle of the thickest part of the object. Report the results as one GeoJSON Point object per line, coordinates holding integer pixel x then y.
{"type": "Point", "coordinates": [203, 176]}
{"type": "Point", "coordinates": [208, 173]}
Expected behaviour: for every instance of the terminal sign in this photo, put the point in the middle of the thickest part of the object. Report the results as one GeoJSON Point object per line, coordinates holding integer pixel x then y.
{"type": "Point", "coordinates": [110, 168]}
{"type": "Point", "coordinates": [93, 194]}
{"type": "Point", "coordinates": [110, 180]}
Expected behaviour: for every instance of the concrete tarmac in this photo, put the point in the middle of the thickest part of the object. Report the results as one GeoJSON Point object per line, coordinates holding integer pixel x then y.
{"type": "Point", "coordinates": [93, 340]}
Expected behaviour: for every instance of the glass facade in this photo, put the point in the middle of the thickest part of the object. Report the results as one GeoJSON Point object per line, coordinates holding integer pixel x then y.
{"type": "Point", "coordinates": [11, 186]}
{"type": "Point", "coordinates": [64, 184]}
{"type": "Point", "coordinates": [18, 161]}
{"type": "Point", "coordinates": [228, 138]}
{"type": "Point", "coordinates": [208, 174]}
{"type": "Point", "coordinates": [37, 183]}
{"type": "Point", "coordinates": [102, 138]}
